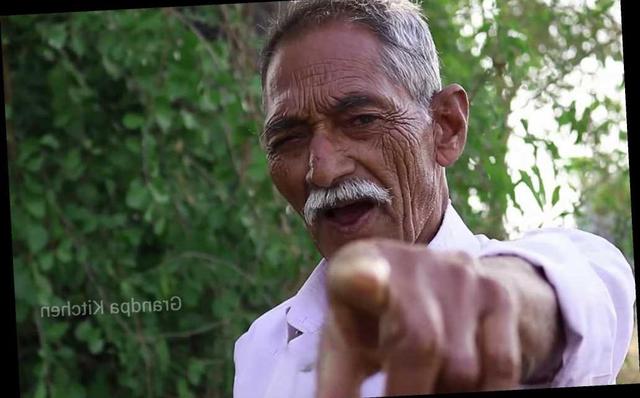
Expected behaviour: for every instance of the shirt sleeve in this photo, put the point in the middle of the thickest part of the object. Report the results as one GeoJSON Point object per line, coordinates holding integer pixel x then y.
{"type": "Point", "coordinates": [595, 288]}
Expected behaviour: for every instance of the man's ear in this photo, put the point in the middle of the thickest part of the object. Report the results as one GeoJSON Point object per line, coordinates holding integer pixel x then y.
{"type": "Point", "coordinates": [450, 113]}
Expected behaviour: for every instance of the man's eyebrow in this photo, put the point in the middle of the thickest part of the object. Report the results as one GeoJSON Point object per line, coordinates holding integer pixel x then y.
{"type": "Point", "coordinates": [356, 100]}
{"type": "Point", "coordinates": [279, 124]}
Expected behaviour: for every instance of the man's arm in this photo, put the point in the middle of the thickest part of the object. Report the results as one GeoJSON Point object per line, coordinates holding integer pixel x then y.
{"type": "Point", "coordinates": [441, 322]}
{"type": "Point", "coordinates": [540, 327]}
{"type": "Point", "coordinates": [595, 289]}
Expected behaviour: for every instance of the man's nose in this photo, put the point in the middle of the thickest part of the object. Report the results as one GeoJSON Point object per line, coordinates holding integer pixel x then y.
{"type": "Point", "coordinates": [328, 161]}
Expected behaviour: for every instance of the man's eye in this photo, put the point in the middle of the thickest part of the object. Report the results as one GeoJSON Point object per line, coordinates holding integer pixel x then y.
{"type": "Point", "coordinates": [284, 140]}
{"type": "Point", "coordinates": [363, 120]}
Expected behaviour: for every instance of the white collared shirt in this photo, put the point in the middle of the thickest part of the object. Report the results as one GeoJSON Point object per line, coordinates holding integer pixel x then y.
{"type": "Point", "coordinates": [594, 284]}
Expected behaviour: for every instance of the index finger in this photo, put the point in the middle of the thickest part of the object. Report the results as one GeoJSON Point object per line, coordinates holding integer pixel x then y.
{"type": "Point", "coordinates": [359, 277]}
{"type": "Point", "coordinates": [357, 284]}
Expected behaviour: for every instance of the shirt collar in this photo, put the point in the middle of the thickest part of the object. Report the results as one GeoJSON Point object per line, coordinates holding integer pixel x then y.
{"type": "Point", "coordinates": [308, 307]}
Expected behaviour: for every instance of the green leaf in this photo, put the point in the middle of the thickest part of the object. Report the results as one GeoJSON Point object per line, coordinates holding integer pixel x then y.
{"type": "Point", "coordinates": [163, 116]}
{"type": "Point", "coordinates": [36, 208]}
{"type": "Point", "coordinates": [159, 226]}
{"type": "Point", "coordinates": [63, 252]}
{"type": "Point", "coordinates": [133, 121]}
{"type": "Point", "coordinates": [96, 346]}
{"type": "Point", "coordinates": [137, 196]}
{"type": "Point", "coordinates": [553, 150]}
{"type": "Point", "coordinates": [37, 238]}
{"type": "Point", "coordinates": [189, 120]}
{"type": "Point", "coordinates": [164, 358]}
{"type": "Point", "coordinates": [569, 115]}
{"type": "Point", "coordinates": [55, 330]}
{"type": "Point", "coordinates": [72, 164]}
{"type": "Point", "coordinates": [132, 236]}
{"type": "Point", "coordinates": [556, 196]}
{"type": "Point", "coordinates": [541, 192]}
{"type": "Point", "coordinates": [83, 331]}
{"type": "Point", "coordinates": [41, 390]}
{"type": "Point", "coordinates": [112, 68]}
{"type": "Point", "coordinates": [57, 36]}
{"type": "Point", "coordinates": [34, 164]}
{"type": "Point", "coordinates": [46, 261]}
{"type": "Point", "coordinates": [78, 44]}
{"type": "Point", "coordinates": [158, 196]}
{"type": "Point", "coordinates": [82, 254]}
{"type": "Point", "coordinates": [183, 389]}
{"type": "Point", "coordinates": [526, 179]}
{"type": "Point", "coordinates": [195, 371]}
{"type": "Point", "coordinates": [50, 141]}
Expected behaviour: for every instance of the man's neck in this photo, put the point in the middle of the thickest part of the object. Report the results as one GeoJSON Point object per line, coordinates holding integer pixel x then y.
{"type": "Point", "coordinates": [433, 224]}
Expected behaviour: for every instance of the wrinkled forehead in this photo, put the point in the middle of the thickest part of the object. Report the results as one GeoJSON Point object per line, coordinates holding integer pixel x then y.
{"type": "Point", "coordinates": [313, 84]}
{"type": "Point", "coordinates": [322, 72]}
{"type": "Point", "coordinates": [324, 62]}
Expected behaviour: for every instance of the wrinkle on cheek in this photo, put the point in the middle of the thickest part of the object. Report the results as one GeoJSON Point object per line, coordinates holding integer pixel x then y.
{"type": "Point", "coordinates": [401, 152]}
{"type": "Point", "coordinates": [280, 173]}
{"type": "Point", "coordinates": [390, 150]}
{"type": "Point", "coordinates": [288, 171]}
{"type": "Point", "coordinates": [274, 163]}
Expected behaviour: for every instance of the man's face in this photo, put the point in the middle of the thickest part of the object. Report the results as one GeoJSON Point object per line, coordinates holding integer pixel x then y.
{"type": "Point", "coordinates": [333, 115]}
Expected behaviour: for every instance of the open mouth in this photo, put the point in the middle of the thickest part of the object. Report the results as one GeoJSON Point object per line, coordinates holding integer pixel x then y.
{"type": "Point", "coordinates": [348, 214]}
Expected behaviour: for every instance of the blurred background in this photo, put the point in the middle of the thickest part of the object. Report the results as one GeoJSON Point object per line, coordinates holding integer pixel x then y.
{"type": "Point", "coordinates": [135, 172]}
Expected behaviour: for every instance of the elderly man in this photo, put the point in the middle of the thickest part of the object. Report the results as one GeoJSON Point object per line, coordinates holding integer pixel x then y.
{"type": "Point", "coordinates": [358, 133]}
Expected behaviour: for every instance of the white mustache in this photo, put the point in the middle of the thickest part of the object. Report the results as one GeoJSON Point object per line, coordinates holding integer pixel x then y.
{"type": "Point", "coordinates": [346, 191]}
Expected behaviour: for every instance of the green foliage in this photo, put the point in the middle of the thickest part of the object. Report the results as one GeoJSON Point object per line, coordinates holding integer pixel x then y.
{"type": "Point", "coordinates": [604, 203]}
{"type": "Point", "coordinates": [495, 49]}
{"type": "Point", "coordinates": [136, 172]}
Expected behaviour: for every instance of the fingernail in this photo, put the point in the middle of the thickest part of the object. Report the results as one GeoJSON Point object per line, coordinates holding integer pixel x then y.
{"type": "Point", "coordinates": [361, 278]}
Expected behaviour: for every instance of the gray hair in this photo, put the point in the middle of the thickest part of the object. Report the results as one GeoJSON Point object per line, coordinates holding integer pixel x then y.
{"type": "Point", "coordinates": [408, 56]}
{"type": "Point", "coordinates": [342, 193]}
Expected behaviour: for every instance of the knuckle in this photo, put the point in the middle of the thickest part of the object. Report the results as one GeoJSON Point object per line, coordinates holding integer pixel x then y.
{"type": "Point", "coordinates": [461, 272]}
{"type": "Point", "coordinates": [504, 365]}
{"type": "Point", "coordinates": [461, 258]}
{"type": "Point", "coordinates": [420, 344]}
{"type": "Point", "coordinates": [497, 293]}
{"type": "Point", "coordinates": [413, 327]}
{"type": "Point", "coordinates": [428, 347]}
{"type": "Point", "coordinates": [462, 368]}
{"type": "Point", "coordinates": [430, 341]}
